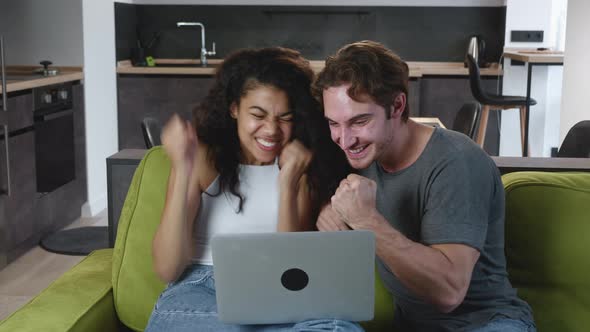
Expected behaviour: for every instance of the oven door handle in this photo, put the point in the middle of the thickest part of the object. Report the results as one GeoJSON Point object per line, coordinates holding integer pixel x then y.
{"type": "Point", "coordinates": [8, 191]}
{"type": "Point", "coordinates": [55, 115]}
{"type": "Point", "coordinates": [5, 109]}
{"type": "Point", "coordinates": [3, 73]}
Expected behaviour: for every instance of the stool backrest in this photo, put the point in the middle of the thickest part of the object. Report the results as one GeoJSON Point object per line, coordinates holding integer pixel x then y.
{"type": "Point", "coordinates": [577, 141]}
{"type": "Point", "coordinates": [475, 80]}
{"type": "Point", "coordinates": [467, 118]}
{"type": "Point", "coordinates": [151, 130]}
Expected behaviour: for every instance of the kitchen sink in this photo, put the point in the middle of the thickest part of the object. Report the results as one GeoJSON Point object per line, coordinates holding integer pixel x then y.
{"type": "Point", "coordinates": [187, 63]}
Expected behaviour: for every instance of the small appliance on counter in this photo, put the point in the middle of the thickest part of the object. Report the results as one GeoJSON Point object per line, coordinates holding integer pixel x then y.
{"type": "Point", "coordinates": [476, 48]}
{"type": "Point", "coordinates": [140, 55]}
{"type": "Point", "coordinates": [46, 71]}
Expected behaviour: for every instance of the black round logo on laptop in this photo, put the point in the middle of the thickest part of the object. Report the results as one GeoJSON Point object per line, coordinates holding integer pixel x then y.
{"type": "Point", "coordinates": [294, 279]}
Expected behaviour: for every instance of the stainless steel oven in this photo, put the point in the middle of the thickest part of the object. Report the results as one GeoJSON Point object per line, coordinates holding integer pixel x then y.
{"type": "Point", "coordinates": [54, 136]}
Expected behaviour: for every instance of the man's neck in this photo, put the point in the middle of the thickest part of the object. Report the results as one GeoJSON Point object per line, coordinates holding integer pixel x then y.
{"type": "Point", "coordinates": [407, 145]}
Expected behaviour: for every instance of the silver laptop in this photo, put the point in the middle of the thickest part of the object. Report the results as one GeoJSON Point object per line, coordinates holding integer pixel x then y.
{"type": "Point", "coordinates": [275, 278]}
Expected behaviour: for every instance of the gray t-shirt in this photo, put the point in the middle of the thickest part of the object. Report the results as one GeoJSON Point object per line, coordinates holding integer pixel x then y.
{"type": "Point", "coordinates": [453, 193]}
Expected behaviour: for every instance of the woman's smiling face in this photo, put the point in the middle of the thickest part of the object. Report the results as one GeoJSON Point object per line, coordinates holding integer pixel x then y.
{"type": "Point", "coordinates": [264, 122]}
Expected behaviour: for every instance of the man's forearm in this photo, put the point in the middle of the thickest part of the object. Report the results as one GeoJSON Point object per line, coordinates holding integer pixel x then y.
{"type": "Point", "coordinates": [424, 270]}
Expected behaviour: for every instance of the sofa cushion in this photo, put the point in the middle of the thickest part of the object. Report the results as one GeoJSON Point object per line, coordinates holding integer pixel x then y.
{"type": "Point", "coordinates": [80, 300]}
{"type": "Point", "coordinates": [135, 284]}
{"type": "Point", "coordinates": [547, 246]}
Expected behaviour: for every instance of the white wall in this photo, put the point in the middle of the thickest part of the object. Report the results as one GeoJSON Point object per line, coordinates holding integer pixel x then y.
{"type": "Point", "coordinates": [36, 30]}
{"type": "Point", "coordinates": [546, 81]}
{"type": "Point", "coordinates": [576, 74]}
{"type": "Point", "coordinates": [100, 87]}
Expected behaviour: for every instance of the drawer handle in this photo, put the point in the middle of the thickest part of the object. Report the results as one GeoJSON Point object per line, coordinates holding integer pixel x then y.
{"type": "Point", "coordinates": [8, 180]}
{"type": "Point", "coordinates": [3, 73]}
{"type": "Point", "coordinates": [5, 109]}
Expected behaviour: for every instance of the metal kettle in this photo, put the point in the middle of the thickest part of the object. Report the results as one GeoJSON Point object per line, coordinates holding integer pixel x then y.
{"type": "Point", "coordinates": [476, 48]}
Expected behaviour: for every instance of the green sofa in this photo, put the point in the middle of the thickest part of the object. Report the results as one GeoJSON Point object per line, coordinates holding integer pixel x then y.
{"type": "Point", "coordinates": [548, 246]}
{"type": "Point", "coordinates": [115, 289]}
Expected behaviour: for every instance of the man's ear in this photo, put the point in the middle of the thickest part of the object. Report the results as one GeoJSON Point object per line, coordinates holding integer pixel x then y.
{"type": "Point", "coordinates": [398, 106]}
{"type": "Point", "coordinates": [233, 110]}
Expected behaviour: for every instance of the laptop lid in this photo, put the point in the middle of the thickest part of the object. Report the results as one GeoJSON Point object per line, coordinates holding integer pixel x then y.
{"type": "Point", "coordinates": [275, 278]}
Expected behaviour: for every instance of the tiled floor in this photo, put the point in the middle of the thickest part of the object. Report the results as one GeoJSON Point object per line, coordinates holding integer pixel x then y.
{"type": "Point", "coordinates": [24, 278]}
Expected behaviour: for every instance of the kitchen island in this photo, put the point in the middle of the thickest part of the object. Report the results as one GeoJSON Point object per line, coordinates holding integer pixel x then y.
{"type": "Point", "coordinates": [436, 89]}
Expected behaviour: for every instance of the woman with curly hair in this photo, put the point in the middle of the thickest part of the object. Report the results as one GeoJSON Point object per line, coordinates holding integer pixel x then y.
{"type": "Point", "coordinates": [257, 158]}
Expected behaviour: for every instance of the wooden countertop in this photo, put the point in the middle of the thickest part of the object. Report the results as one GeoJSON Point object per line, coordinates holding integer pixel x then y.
{"type": "Point", "coordinates": [423, 68]}
{"type": "Point", "coordinates": [22, 78]}
{"type": "Point", "coordinates": [516, 164]}
{"type": "Point", "coordinates": [534, 55]}
{"type": "Point", "coordinates": [191, 67]}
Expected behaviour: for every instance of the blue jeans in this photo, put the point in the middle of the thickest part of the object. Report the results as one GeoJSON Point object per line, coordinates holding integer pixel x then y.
{"type": "Point", "coordinates": [507, 325]}
{"type": "Point", "coordinates": [189, 304]}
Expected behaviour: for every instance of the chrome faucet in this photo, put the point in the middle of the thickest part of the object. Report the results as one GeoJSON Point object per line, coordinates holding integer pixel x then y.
{"type": "Point", "coordinates": [204, 51]}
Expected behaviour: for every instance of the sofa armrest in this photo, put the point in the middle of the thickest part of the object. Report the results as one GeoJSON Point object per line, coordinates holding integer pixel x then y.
{"type": "Point", "coordinates": [80, 300]}
{"type": "Point", "coordinates": [547, 230]}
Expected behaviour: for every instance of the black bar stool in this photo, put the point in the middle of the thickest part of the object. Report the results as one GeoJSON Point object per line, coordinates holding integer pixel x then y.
{"type": "Point", "coordinates": [576, 143]}
{"type": "Point", "coordinates": [494, 102]}
{"type": "Point", "coordinates": [467, 118]}
{"type": "Point", "coordinates": [151, 130]}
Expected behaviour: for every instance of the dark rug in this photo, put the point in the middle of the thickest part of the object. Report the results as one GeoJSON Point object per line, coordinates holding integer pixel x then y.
{"type": "Point", "coordinates": [77, 241]}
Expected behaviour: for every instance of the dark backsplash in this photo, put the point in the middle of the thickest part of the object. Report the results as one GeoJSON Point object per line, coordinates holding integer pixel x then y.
{"type": "Point", "coordinates": [415, 33]}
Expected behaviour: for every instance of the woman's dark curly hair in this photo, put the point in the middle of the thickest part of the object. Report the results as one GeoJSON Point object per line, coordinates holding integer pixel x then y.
{"type": "Point", "coordinates": [288, 71]}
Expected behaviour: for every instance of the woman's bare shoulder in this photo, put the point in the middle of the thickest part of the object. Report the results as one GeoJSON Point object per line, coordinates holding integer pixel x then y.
{"type": "Point", "coordinates": [203, 167]}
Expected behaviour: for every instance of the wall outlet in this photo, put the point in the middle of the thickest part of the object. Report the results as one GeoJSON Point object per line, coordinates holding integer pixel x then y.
{"type": "Point", "coordinates": [527, 36]}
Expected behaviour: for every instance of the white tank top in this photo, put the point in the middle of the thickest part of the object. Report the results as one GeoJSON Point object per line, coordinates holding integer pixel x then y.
{"type": "Point", "coordinates": [217, 214]}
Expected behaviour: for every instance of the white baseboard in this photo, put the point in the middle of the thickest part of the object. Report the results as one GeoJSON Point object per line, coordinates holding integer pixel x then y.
{"type": "Point", "coordinates": [91, 209]}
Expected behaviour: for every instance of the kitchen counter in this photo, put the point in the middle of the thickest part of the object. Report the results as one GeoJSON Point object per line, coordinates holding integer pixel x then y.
{"type": "Point", "coordinates": [534, 55]}
{"type": "Point", "coordinates": [191, 67]}
{"type": "Point", "coordinates": [437, 89]}
{"type": "Point", "coordinates": [22, 77]}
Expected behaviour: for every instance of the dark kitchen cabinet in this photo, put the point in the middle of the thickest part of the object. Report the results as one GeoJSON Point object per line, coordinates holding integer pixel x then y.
{"type": "Point", "coordinates": [27, 216]}
{"type": "Point", "coordinates": [20, 110]}
{"type": "Point", "coordinates": [16, 211]}
{"type": "Point", "coordinates": [161, 96]}
{"type": "Point", "coordinates": [413, 99]}
{"type": "Point", "coordinates": [158, 97]}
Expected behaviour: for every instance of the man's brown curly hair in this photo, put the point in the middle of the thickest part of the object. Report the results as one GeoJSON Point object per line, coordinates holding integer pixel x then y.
{"type": "Point", "coordinates": [371, 69]}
